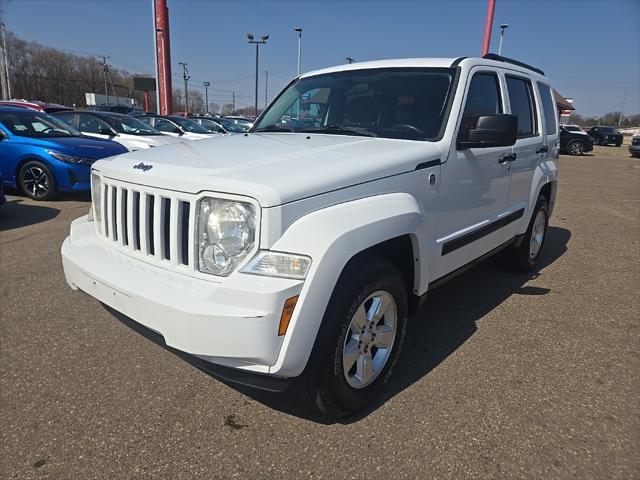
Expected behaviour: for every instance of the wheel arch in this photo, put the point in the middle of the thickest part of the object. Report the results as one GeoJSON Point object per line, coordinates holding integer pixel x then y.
{"type": "Point", "coordinates": [385, 225]}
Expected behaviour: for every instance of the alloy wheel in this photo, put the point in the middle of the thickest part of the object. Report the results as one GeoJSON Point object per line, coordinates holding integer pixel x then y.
{"type": "Point", "coordinates": [369, 341]}
{"type": "Point", "coordinates": [537, 235]}
{"type": "Point", "coordinates": [36, 181]}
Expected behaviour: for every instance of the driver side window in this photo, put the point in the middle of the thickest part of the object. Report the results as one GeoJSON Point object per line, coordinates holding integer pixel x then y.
{"type": "Point", "coordinates": [483, 97]}
{"type": "Point", "coordinates": [164, 125]}
{"type": "Point", "coordinates": [91, 124]}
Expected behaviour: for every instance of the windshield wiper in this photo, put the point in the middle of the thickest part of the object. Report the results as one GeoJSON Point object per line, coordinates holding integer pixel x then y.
{"type": "Point", "coordinates": [273, 128]}
{"type": "Point", "coordinates": [340, 130]}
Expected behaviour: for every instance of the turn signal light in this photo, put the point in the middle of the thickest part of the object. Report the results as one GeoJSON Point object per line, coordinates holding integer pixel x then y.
{"type": "Point", "coordinates": [287, 313]}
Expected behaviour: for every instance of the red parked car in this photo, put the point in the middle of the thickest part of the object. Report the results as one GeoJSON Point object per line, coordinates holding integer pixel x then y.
{"type": "Point", "coordinates": [36, 105]}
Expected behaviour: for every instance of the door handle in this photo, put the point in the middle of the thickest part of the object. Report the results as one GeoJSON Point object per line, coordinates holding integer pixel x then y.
{"type": "Point", "coordinates": [507, 158]}
{"type": "Point", "coordinates": [544, 149]}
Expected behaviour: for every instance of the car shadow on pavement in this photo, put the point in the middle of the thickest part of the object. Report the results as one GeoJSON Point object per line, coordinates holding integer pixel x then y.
{"type": "Point", "coordinates": [16, 213]}
{"type": "Point", "coordinates": [434, 333]}
{"type": "Point", "coordinates": [441, 326]}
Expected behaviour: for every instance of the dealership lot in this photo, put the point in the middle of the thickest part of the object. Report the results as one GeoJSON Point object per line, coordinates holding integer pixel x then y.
{"type": "Point", "coordinates": [503, 375]}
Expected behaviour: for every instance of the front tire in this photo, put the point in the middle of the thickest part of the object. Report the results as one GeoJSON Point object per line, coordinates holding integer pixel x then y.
{"type": "Point", "coordinates": [524, 257]}
{"type": "Point", "coordinates": [359, 340]}
{"type": "Point", "coordinates": [576, 148]}
{"type": "Point", "coordinates": [36, 181]}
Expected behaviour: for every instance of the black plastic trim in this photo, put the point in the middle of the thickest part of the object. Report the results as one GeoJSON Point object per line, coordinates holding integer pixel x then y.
{"type": "Point", "coordinates": [499, 58]}
{"type": "Point", "coordinates": [226, 374]}
{"type": "Point", "coordinates": [449, 276]}
{"type": "Point", "coordinates": [457, 61]}
{"type": "Point", "coordinates": [471, 237]}
{"type": "Point", "coordinates": [429, 164]}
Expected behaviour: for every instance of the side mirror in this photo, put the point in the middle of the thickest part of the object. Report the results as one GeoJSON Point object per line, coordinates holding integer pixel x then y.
{"type": "Point", "coordinates": [489, 131]}
{"type": "Point", "coordinates": [178, 130]}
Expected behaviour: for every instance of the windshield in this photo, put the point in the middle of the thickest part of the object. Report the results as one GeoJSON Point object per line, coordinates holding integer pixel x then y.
{"type": "Point", "coordinates": [130, 125]}
{"type": "Point", "coordinates": [36, 125]}
{"type": "Point", "coordinates": [607, 129]}
{"type": "Point", "coordinates": [407, 103]}
{"type": "Point", "coordinates": [188, 125]}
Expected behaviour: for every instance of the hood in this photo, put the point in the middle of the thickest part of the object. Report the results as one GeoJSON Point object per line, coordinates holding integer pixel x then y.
{"type": "Point", "coordinates": [150, 140]}
{"type": "Point", "coordinates": [273, 168]}
{"type": "Point", "coordinates": [80, 146]}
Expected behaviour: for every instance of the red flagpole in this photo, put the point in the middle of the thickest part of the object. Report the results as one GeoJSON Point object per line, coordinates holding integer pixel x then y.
{"type": "Point", "coordinates": [486, 41]}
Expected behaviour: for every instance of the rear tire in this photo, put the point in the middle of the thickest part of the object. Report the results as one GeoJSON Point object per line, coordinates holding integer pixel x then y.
{"type": "Point", "coordinates": [350, 366]}
{"type": "Point", "coordinates": [524, 257]}
{"type": "Point", "coordinates": [36, 181]}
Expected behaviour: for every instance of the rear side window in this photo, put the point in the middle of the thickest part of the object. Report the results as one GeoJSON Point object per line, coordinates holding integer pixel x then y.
{"type": "Point", "coordinates": [549, 110]}
{"type": "Point", "coordinates": [522, 105]}
{"type": "Point", "coordinates": [484, 96]}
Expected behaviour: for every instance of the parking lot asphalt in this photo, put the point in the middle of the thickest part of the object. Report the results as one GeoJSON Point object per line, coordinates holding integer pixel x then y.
{"type": "Point", "coordinates": [503, 375]}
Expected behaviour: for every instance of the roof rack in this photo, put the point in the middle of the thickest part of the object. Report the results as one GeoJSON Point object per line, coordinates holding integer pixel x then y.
{"type": "Point", "coordinates": [500, 58]}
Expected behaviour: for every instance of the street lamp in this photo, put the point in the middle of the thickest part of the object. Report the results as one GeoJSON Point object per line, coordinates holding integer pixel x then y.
{"type": "Point", "coordinates": [299, 30]}
{"type": "Point", "coordinates": [349, 59]}
{"type": "Point", "coordinates": [503, 27]}
{"type": "Point", "coordinates": [206, 96]}
{"type": "Point", "coordinates": [263, 39]}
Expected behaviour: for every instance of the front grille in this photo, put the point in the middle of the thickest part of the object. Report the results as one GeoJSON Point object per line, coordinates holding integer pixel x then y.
{"type": "Point", "coordinates": [156, 224]}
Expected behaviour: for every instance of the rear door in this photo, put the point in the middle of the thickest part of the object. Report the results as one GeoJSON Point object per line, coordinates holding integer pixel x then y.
{"type": "Point", "coordinates": [528, 149]}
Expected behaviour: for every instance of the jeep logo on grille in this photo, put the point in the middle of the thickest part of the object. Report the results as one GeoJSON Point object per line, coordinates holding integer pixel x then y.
{"type": "Point", "coordinates": [143, 167]}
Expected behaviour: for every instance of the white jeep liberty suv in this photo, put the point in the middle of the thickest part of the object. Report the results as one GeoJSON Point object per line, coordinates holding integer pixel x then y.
{"type": "Point", "coordinates": [297, 251]}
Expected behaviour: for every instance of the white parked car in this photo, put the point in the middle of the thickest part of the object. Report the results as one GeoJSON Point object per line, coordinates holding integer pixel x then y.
{"type": "Point", "coordinates": [177, 126]}
{"type": "Point", "coordinates": [575, 129]}
{"type": "Point", "coordinates": [124, 129]}
{"type": "Point", "coordinates": [298, 255]}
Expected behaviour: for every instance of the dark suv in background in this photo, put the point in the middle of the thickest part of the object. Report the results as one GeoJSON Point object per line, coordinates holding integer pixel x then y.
{"type": "Point", "coordinates": [606, 136]}
{"type": "Point", "coordinates": [574, 142]}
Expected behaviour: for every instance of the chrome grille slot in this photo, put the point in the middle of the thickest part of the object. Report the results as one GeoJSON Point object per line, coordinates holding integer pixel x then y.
{"type": "Point", "coordinates": [149, 223]}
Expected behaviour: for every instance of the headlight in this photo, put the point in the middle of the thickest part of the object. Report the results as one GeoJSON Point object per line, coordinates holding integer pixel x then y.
{"type": "Point", "coordinates": [63, 157]}
{"type": "Point", "coordinates": [96, 199]}
{"type": "Point", "coordinates": [226, 234]}
{"type": "Point", "coordinates": [276, 264]}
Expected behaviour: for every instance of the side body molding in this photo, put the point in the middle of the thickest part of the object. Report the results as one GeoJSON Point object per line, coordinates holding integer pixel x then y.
{"type": "Point", "coordinates": [331, 237]}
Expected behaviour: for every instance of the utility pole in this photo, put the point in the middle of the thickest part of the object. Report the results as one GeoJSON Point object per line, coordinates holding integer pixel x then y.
{"type": "Point", "coordinates": [624, 98]}
{"type": "Point", "coordinates": [257, 43]}
{"type": "Point", "coordinates": [5, 84]}
{"type": "Point", "coordinates": [206, 96]}
{"type": "Point", "coordinates": [185, 77]}
{"type": "Point", "coordinates": [266, 87]}
{"type": "Point", "coordinates": [105, 69]}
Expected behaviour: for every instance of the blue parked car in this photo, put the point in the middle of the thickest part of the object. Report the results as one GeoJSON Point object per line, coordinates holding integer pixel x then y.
{"type": "Point", "coordinates": [42, 156]}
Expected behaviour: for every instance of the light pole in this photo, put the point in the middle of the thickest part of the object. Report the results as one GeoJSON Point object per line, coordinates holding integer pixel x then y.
{"type": "Point", "coordinates": [266, 87]}
{"type": "Point", "coordinates": [299, 30]}
{"type": "Point", "coordinates": [349, 59]}
{"type": "Point", "coordinates": [503, 27]}
{"type": "Point", "coordinates": [206, 96]}
{"type": "Point", "coordinates": [185, 77]}
{"type": "Point", "coordinates": [257, 43]}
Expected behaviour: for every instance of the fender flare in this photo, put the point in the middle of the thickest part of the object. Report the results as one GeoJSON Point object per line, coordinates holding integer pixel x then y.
{"type": "Point", "coordinates": [331, 237]}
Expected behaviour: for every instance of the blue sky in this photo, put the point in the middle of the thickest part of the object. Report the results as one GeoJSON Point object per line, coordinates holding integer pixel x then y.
{"type": "Point", "coordinates": [589, 49]}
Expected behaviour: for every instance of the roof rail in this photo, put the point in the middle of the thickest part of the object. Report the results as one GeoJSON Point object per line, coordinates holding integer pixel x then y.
{"type": "Point", "coordinates": [500, 58]}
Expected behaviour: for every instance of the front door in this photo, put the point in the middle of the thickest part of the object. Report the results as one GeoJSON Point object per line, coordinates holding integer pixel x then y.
{"type": "Point", "coordinates": [474, 184]}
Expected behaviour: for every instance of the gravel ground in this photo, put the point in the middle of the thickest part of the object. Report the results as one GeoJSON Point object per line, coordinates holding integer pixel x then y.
{"type": "Point", "coordinates": [503, 375]}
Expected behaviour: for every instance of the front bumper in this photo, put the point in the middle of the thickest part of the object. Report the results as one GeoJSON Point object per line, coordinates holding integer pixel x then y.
{"type": "Point", "coordinates": [233, 323]}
